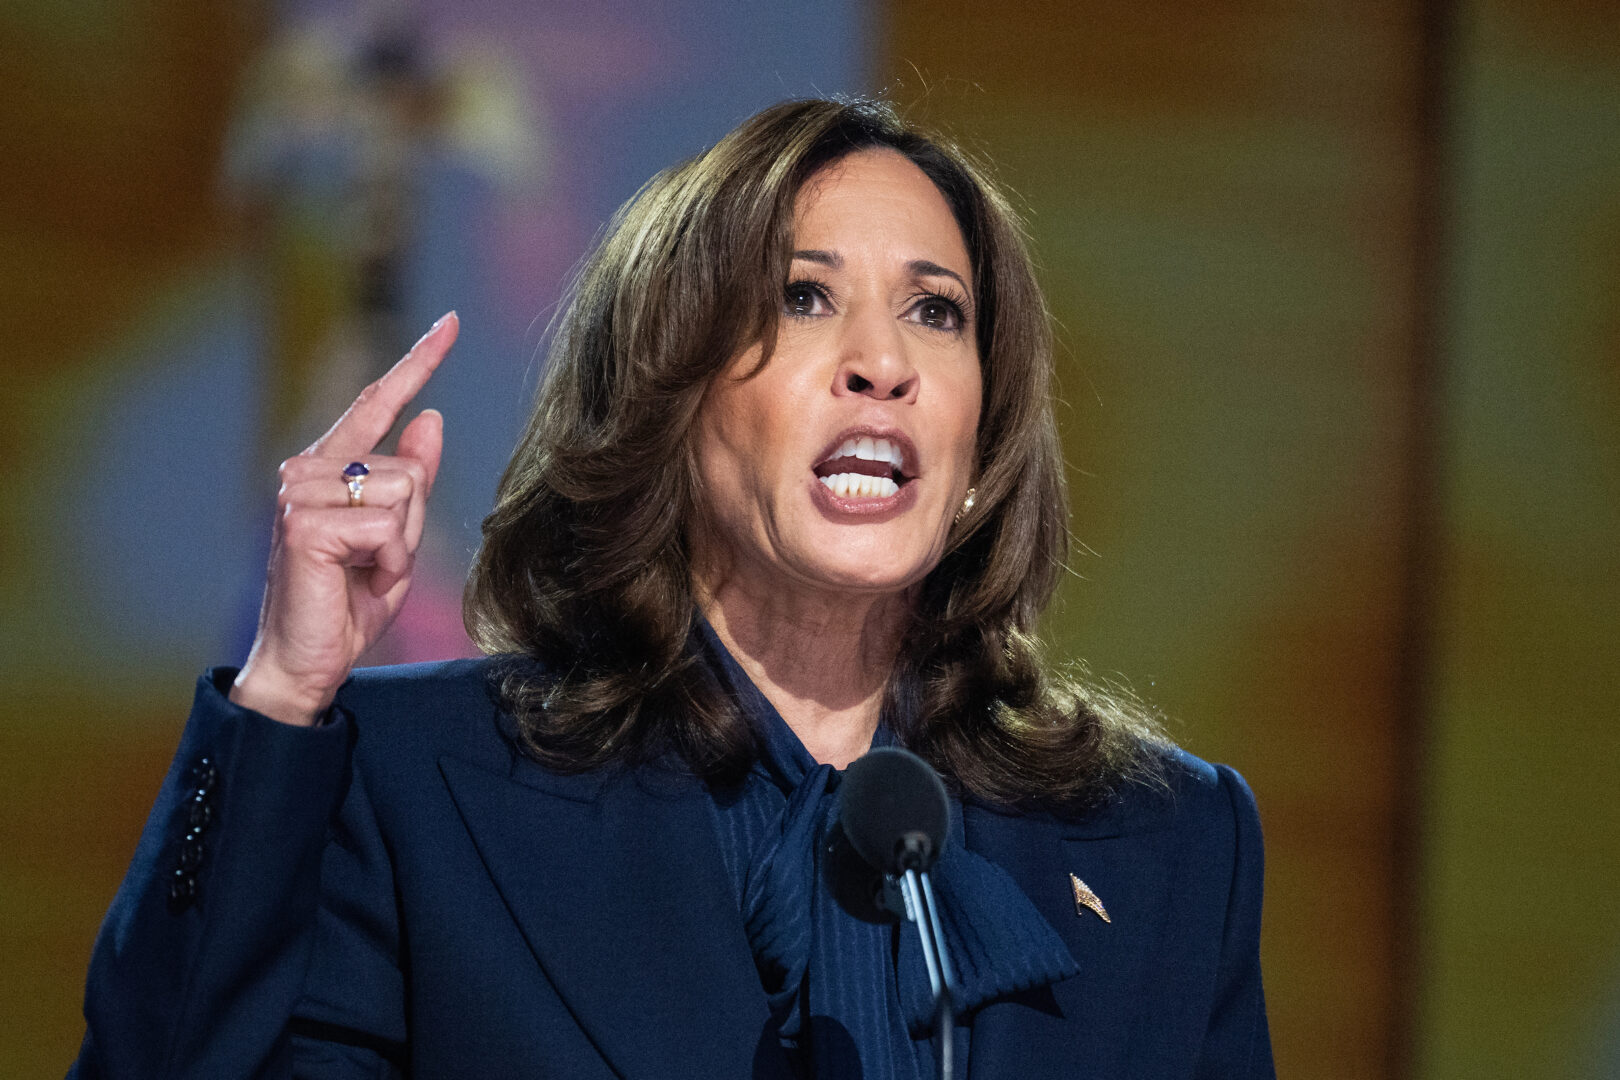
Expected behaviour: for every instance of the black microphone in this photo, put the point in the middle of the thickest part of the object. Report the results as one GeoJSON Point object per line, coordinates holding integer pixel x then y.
{"type": "Point", "coordinates": [893, 807]}
{"type": "Point", "coordinates": [894, 813]}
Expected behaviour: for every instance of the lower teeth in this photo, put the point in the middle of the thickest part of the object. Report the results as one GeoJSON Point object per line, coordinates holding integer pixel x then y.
{"type": "Point", "coordinates": [860, 486]}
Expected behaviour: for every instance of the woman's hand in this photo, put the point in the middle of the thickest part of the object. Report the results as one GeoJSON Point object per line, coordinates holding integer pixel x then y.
{"type": "Point", "coordinates": [339, 573]}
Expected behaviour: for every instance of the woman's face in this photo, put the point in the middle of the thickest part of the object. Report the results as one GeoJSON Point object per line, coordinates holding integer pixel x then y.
{"type": "Point", "coordinates": [841, 464]}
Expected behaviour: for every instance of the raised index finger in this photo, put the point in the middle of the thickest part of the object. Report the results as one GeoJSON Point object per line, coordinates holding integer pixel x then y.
{"type": "Point", "coordinates": [373, 413]}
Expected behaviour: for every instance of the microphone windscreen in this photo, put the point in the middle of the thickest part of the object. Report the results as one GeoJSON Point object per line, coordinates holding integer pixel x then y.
{"type": "Point", "coordinates": [887, 796]}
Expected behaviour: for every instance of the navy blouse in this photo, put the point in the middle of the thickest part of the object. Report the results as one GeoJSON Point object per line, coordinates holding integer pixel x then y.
{"type": "Point", "coordinates": [851, 997]}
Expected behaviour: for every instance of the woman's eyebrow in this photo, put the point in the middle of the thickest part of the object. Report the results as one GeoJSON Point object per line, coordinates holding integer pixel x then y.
{"type": "Point", "coordinates": [918, 267]}
{"type": "Point", "coordinates": [825, 258]}
{"type": "Point", "coordinates": [924, 268]}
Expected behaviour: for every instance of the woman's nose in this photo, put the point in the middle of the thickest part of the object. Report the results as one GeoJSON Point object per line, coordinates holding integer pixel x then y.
{"type": "Point", "coordinates": [875, 362]}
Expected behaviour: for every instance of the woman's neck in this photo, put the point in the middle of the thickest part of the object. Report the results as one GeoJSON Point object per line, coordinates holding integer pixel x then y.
{"type": "Point", "coordinates": [823, 660]}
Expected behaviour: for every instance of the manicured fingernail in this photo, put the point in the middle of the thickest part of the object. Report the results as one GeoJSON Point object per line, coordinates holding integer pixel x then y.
{"type": "Point", "coordinates": [432, 328]}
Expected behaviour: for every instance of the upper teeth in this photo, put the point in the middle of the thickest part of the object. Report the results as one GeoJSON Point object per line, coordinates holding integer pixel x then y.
{"type": "Point", "coordinates": [869, 449]}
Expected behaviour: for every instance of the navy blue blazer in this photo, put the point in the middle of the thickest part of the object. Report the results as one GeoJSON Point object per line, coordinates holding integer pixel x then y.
{"type": "Point", "coordinates": [400, 893]}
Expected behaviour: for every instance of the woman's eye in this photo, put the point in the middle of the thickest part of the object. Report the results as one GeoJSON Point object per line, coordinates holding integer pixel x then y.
{"type": "Point", "coordinates": [803, 298]}
{"type": "Point", "coordinates": [938, 313]}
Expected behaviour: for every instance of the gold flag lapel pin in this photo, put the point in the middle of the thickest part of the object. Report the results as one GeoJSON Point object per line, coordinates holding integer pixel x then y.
{"type": "Point", "coordinates": [1085, 898]}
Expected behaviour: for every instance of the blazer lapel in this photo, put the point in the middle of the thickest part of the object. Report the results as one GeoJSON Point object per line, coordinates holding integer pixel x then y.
{"type": "Point", "coordinates": [1080, 1026]}
{"type": "Point", "coordinates": [619, 890]}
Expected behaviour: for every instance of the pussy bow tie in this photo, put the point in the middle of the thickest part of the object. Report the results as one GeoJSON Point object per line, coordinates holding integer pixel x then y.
{"type": "Point", "coordinates": [998, 942]}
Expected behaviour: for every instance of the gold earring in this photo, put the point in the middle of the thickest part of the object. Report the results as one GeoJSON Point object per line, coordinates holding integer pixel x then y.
{"type": "Point", "coordinates": [967, 504]}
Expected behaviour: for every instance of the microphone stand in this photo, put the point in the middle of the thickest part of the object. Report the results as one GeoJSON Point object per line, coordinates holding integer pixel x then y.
{"type": "Point", "coordinates": [918, 892]}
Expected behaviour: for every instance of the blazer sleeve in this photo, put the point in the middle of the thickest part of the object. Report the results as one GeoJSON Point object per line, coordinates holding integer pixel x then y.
{"type": "Point", "coordinates": [200, 966]}
{"type": "Point", "coordinates": [1238, 1041]}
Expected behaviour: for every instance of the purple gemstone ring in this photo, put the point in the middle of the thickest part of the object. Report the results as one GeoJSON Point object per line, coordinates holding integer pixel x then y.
{"type": "Point", "coordinates": [354, 475]}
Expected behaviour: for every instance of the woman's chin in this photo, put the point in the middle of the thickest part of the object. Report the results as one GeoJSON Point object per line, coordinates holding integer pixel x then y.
{"type": "Point", "coordinates": [863, 568]}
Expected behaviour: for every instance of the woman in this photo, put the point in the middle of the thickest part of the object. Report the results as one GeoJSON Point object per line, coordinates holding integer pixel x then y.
{"type": "Point", "coordinates": [791, 490]}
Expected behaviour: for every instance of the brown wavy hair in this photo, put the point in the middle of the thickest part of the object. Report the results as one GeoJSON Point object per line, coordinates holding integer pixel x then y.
{"type": "Point", "coordinates": [585, 562]}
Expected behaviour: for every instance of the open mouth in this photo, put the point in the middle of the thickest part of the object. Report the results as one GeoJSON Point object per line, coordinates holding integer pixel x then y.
{"type": "Point", "coordinates": [864, 467]}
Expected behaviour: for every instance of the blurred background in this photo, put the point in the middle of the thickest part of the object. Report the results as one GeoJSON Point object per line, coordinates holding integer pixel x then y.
{"type": "Point", "coordinates": [1339, 287]}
